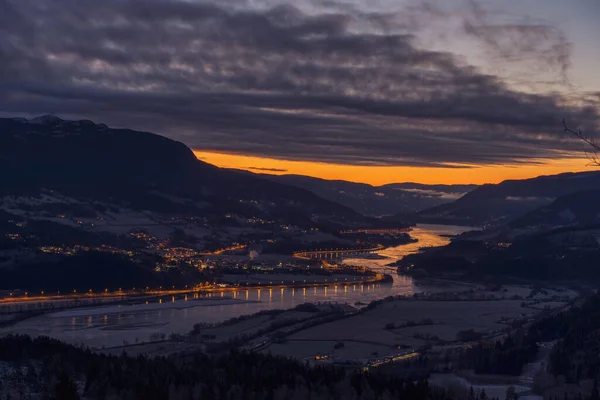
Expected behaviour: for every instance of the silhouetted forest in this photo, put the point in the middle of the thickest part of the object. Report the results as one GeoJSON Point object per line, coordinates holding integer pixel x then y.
{"type": "Point", "coordinates": [52, 370]}
{"type": "Point", "coordinates": [577, 354]}
{"type": "Point", "coordinates": [504, 357]}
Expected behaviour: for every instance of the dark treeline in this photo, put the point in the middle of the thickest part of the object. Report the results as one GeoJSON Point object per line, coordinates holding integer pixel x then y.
{"type": "Point", "coordinates": [536, 259]}
{"type": "Point", "coordinates": [577, 354]}
{"type": "Point", "coordinates": [504, 357]}
{"type": "Point", "coordinates": [90, 270]}
{"type": "Point", "coordinates": [46, 368]}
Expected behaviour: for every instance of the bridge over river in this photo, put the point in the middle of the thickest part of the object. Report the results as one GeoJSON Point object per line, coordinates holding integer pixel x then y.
{"type": "Point", "coordinates": [331, 254]}
{"type": "Point", "coordinates": [385, 231]}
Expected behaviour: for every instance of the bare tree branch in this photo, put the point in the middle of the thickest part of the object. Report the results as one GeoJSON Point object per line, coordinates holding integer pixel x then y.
{"type": "Point", "coordinates": [594, 154]}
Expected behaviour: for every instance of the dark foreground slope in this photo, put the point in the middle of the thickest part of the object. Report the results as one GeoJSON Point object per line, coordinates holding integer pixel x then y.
{"type": "Point", "coordinates": [47, 369]}
{"type": "Point", "coordinates": [143, 171]}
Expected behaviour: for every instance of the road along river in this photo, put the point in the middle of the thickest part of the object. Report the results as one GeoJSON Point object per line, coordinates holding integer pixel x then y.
{"type": "Point", "coordinates": [113, 325]}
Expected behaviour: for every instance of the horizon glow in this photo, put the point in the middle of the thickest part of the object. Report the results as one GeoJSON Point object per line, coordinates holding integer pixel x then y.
{"type": "Point", "coordinates": [381, 175]}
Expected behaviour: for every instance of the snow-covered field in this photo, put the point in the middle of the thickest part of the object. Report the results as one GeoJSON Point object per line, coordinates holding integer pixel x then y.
{"type": "Point", "coordinates": [370, 332]}
{"type": "Point", "coordinates": [492, 391]}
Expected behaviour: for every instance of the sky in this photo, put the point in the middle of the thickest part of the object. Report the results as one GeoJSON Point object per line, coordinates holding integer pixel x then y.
{"type": "Point", "coordinates": [375, 91]}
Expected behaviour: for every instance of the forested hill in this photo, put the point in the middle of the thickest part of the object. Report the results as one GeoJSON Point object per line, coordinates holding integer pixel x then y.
{"type": "Point", "coordinates": [577, 355]}
{"type": "Point", "coordinates": [574, 209]}
{"type": "Point", "coordinates": [498, 204]}
{"type": "Point", "coordinates": [143, 171]}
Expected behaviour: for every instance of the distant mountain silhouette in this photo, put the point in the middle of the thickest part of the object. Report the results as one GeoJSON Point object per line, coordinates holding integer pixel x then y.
{"type": "Point", "coordinates": [579, 208]}
{"type": "Point", "coordinates": [366, 199]}
{"type": "Point", "coordinates": [143, 171]}
{"type": "Point", "coordinates": [498, 204]}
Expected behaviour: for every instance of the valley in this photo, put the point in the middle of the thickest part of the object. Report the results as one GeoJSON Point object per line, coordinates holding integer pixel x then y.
{"type": "Point", "coordinates": [173, 259]}
{"type": "Point", "coordinates": [268, 293]}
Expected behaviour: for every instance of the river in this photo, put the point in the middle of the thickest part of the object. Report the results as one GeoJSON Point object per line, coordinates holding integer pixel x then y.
{"type": "Point", "coordinates": [112, 325]}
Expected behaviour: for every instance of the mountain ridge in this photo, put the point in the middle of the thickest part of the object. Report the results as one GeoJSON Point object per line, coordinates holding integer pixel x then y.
{"type": "Point", "coordinates": [389, 199]}
{"type": "Point", "coordinates": [497, 204]}
{"type": "Point", "coordinates": [84, 159]}
{"type": "Point", "coordinates": [577, 208]}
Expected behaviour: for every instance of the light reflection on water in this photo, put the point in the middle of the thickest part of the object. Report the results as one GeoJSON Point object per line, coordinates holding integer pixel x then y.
{"type": "Point", "coordinates": [108, 326]}
{"type": "Point", "coordinates": [428, 235]}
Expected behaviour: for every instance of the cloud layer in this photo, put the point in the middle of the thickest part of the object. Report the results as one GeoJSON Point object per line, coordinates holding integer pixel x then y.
{"type": "Point", "coordinates": [344, 86]}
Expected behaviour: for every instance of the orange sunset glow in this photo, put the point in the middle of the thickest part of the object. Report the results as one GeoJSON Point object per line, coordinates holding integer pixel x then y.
{"type": "Point", "coordinates": [380, 175]}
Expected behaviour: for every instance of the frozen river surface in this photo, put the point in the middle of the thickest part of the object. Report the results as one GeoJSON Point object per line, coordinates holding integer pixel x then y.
{"type": "Point", "coordinates": [112, 325]}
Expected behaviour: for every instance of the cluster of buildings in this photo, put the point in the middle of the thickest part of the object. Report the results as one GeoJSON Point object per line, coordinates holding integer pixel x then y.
{"type": "Point", "coordinates": [165, 255]}
{"type": "Point", "coordinates": [72, 250]}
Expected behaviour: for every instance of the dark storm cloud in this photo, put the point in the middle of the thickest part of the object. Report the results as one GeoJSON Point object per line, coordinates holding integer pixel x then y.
{"type": "Point", "coordinates": [273, 82]}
